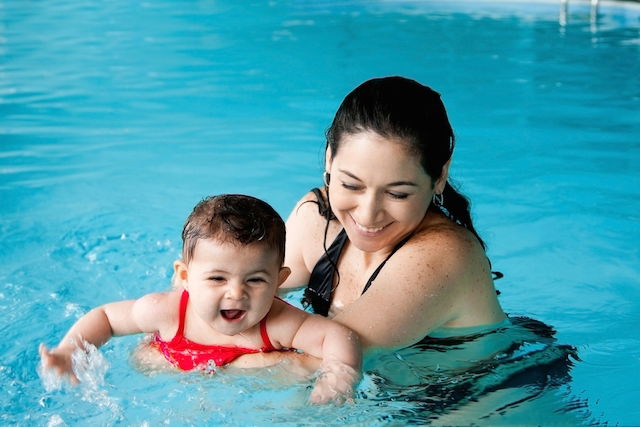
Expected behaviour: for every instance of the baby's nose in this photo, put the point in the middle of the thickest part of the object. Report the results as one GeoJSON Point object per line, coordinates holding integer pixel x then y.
{"type": "Point", "coordinates": [235, 290]}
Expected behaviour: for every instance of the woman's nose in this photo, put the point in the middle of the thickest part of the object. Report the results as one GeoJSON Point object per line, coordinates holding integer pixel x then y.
{"type": "Point", "coordinates": [369, 209]}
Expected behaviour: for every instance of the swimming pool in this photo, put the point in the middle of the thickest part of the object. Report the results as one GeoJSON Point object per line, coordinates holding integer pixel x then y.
{"type": "Point", "coordinates": [117, 117]}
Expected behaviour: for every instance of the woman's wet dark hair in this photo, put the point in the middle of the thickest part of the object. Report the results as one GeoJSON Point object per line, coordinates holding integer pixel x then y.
{"type": "Point", "coordinates": [234, 218]}
{"type": "Point", "coordinates": [414, 115]}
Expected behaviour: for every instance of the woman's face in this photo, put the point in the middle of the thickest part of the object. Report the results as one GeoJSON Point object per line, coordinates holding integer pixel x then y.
{"type": "Point", "coordinates": [378, 191]}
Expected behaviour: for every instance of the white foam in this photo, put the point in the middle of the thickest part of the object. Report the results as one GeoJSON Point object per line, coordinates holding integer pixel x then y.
{"type": "Point", "coordinates": [89, 366]}
{"type": "Point", "coordinates": [56, 421]}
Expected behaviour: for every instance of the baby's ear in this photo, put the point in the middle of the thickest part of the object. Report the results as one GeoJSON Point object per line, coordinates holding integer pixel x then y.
{"type": "Point", "coordinates": [180, 274]}
{"type": "Point", "coordinates": [282, 276]}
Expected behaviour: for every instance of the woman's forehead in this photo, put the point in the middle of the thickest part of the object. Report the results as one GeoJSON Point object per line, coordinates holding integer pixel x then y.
{"type": "Point", "coordinates": [366, 149]}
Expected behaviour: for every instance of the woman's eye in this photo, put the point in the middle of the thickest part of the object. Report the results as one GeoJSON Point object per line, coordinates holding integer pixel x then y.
{"type": "Point", "coordinates": [350, 186]}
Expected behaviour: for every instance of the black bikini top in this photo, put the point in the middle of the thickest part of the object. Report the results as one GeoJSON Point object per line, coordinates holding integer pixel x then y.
{"type": "Point", "coordinates": [320, 288]}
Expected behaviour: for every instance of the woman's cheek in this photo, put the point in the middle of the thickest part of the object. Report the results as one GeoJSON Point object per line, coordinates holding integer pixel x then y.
{"type": "Point", "coordinates": [340, 198]}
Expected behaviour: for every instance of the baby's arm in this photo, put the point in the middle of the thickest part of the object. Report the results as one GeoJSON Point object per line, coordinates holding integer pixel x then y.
{"type": "Point", "coordinates": [98, 326]}
{"type": "Point", "coordinates": [337, 346]}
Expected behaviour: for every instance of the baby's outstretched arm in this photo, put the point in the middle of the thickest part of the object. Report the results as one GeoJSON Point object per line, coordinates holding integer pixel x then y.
{"type": "Point", "coordinates": [96, 327]}
{"type": "Point", "coordinates": [339, 348]}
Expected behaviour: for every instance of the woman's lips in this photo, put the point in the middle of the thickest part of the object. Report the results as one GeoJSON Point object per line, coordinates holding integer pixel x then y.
{"type": "Point", "coordinates": [368, 231]}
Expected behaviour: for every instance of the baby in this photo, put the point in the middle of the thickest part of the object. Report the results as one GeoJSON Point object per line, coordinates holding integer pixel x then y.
{"type": "Point", "coordinates": [223, 304]}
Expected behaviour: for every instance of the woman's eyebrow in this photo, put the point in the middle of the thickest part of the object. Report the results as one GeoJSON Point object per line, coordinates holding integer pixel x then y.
{"type": "Point", "coordinates": [395, 184]}
{"type": "Point", "coordinates": [349, 174]}
{"type": "Point", "coordinates": [391, 184]}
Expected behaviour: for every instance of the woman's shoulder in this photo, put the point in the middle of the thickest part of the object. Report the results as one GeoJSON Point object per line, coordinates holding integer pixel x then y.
{"type": "Point", "coordinates": [449, 246]}
{"type": "Point", "coordinates": [314, 204]}
{"type": "Point", "coordinates": [444, 266]}
{"type": "Point", "coordinates": [309, 218]}
{"type": "Point", "coordinates": [444, 232]}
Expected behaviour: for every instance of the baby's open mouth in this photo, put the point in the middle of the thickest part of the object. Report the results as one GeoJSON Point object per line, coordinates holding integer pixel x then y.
{"type": "Point", "coordinates": [231, 314]}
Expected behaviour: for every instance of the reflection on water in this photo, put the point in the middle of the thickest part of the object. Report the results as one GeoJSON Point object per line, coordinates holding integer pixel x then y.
{"type": "Point", "coordinates": [485, 377]}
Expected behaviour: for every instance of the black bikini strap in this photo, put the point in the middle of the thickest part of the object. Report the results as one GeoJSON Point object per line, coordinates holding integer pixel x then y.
{"type": "Point", "coordinates": [323, 205]}
{"type": "Point", "coordinates": [375, 273]}
{"type": "Point", "coordinates": [320, 285]}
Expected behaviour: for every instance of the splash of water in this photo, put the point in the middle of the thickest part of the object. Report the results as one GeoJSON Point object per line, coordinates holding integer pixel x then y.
{"type": "Point", "coordinates": [89, 366]}
{"type": "Point", "coordinates": [56, 421]}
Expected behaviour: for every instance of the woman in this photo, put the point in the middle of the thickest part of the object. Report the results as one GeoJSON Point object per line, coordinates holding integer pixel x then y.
{"type": "Point", "coordinates": [387, 246]}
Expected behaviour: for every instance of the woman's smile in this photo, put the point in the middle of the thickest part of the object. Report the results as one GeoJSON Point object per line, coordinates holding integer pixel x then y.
{"type": "Point", "coordinates": [370, 231]}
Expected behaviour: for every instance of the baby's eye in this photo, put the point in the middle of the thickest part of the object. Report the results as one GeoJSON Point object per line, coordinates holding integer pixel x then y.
{"type": "Point", "coordinates": [256, 280]}
{"type": "Point", "coordinates": [398, 196]}
{"type": "Point", "coordinates": [216, 278]}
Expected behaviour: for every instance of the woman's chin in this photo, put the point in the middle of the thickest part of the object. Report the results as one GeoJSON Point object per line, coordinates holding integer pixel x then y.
{"type": "Point", "coordinates": [365, 243]}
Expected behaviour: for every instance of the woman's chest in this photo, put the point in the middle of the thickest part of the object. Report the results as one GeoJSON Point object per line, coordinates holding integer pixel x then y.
{"type": "Point", "coordinates": [353, 278]}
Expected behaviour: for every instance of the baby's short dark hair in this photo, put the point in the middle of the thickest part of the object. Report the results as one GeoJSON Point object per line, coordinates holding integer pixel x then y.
{"type": "Point", "coordinates": [233, 218]}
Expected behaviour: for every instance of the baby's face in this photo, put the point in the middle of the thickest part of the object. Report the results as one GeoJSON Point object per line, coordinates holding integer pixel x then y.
{"type": "Point", "coordinates": [231, 287]}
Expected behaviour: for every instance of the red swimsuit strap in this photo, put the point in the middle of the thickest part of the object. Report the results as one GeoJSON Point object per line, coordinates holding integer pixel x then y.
{"type": "Point", "coordinates": [265, 337]}
{"type": "Point", "coordinates": [184, 299]}
{"type": "Point", "coordinates": [263, 330]}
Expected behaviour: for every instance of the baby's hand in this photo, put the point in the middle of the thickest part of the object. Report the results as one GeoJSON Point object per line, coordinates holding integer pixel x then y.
{"type": "Point", "coordinates": [334, 384]}
{"type": "Point", "coordinates": [59, 360]}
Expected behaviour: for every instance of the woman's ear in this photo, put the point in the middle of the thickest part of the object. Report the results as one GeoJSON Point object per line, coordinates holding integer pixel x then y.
{"type": "Point", "coordinates": [283, 274]}
{"type": "Point", "coordinates": [439, 185]}
{"type": "Point", "coordinates": [180, 274]}
{"type": "Point", "coordinates": [327, 159]}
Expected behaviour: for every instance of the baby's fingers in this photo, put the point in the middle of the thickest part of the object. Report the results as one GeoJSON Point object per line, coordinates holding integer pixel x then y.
{"type": "Point", "coordinates": [318, 396]}
{"type": "Point", "coordinates": [327, 393]}
{"type": "Point", "coordinates": [45, 356]}
{"type": "Point", "coordinates": [60, 364]}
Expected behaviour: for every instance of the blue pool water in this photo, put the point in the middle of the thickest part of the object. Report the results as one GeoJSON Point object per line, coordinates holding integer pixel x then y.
{"type": "Point", "coordinates": [117, 117]}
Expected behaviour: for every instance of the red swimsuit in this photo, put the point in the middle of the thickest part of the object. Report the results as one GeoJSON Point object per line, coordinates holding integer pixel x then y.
{"type": "Point", "coordinates": [188, 355]}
